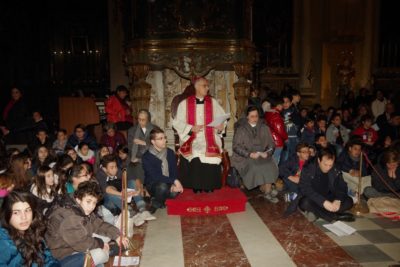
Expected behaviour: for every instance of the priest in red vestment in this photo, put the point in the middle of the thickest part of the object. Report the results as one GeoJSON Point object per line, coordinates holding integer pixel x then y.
{"type": "Point", "coordinates": [200, 145]}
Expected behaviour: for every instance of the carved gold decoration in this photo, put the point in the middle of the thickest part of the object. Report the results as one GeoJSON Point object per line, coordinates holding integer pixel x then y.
{"type": "Point", "coordinates": [242, 86]}
{"type": "Point", "coordinates": [140, 89]}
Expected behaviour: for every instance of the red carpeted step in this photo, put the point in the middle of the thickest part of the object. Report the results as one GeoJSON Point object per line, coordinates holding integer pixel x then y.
{"type": "Point", "coordinates": [222, 201]}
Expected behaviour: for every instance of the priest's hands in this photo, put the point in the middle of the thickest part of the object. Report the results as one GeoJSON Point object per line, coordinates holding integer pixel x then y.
{"type": "Point", "coordinates": [220, 127]}
{"type": "Point", "coordinates": [254, 155]}
{"type": "Point", "coordinates": [197, 128]}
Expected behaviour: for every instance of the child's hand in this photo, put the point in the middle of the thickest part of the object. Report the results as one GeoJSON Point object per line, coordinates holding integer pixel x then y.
{"type": "Point", "coordinates": [125, 241]}
{"type": "Point", "coordinates": [106, 247]}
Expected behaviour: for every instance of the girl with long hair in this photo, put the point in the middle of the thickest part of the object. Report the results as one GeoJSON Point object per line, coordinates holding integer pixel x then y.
{"type": "Point", "coordinates": [22, 232]}
{"type": "Point", "coordinates": [44, 187]}
{"type": "Point", "coordinates": [20, 166]}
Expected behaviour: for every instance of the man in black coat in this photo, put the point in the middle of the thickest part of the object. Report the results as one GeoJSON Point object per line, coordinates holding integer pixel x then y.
{"type": "Point", "coordinates": [323, 192]}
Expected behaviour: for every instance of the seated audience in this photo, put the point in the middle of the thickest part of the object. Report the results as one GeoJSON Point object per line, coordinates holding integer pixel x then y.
{"type": "Point", "coordinates": [70, 151]}
{"type": "Point", "coordinates": [337, 134]}
{"type": "Point", "coordinates": [388, 169]}
{"type": "Point", "coordinates": [100, 153]}
{"type": "Point", "coordinates": [112, 138]}
{"type": "Point", "coordinates": [160, 169]}
{"type": "Point", "coordinates": [41, 139]}
{"type": "Point", "coordinates": [138, 143]}
{"type": "Point", "coordinates": [349, 159]}
{"type": "Point", "coordinates": [393, 128]}
{"type": "Point", "coordinates": [6, 185]}
{"type": "Point", "coordinates": [44, 188]}
{"type": "Point", "coordinates": [22, 233]}
{"type": "Point", "coordinates": [321, 142]}
{"type": "Point", "coordinates": [61, 141]}
{"type": "Point", "coordinates": [276, 125]}
{"type": "Point", "coordinates": [110, 180]}
{"type": "Point", "coordinates": [320, 127]}
{"type": "Point", "coordinates": [20, 171]}
{"type": "Point", "coordinates": [41, 157]}
{"type": "Point", "coordinates": [75, 175]}
{"type": "Point", "coordinates": [378, 105]}
{"type": "Point", "coordinates": [74, 228]}
{"type": "Point", "coordinates": [323, 192]}
{"type": "Point", "coordinates": [366, 132]}
{"type": "Point", "coordinates": [308, 132]}
{"type": "Point", "coordinates": [85, 153]}
{"type": "Point", "coordinates": [383, 120]}
{"type": "Point", "coordinates": [253, 148]}
{"type": "Point", "coordinates": [290, 170]}
{"type": "Point", "coordinates": [118, 109]}
{"type": "Point", "coordinates": [81, 135]}
{"type": "Point", "coordinates": [122, 153]}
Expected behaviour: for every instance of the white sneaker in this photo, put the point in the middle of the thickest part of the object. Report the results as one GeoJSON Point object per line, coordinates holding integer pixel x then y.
{"type": "Point", "coordinates": [137, 220]}
{"type": "Point", "coordinates": [274, 192]}
{"type": "Point", "coordinates": [146, 216]}
{"type": "Point", "coordinates": [270, 198]}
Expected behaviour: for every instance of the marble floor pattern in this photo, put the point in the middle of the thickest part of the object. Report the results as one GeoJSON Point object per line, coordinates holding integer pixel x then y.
{"type": "Point", "coordinates": [260, 236]}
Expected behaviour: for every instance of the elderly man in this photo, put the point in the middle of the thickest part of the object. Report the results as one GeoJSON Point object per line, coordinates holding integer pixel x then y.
{"type": "Point", "coordinates": [200, 149]}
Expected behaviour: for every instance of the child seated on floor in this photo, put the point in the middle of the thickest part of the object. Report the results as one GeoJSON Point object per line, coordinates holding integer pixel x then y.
{"type": "Point", "coordinates": [74, 228]}
{"type": "Point", "coordinates": [61, 141]}
{"type": "Point", "coordinates": [85, 153]}
{"type": "Point", "coordinates": [110, 180]}
{"type": "Point", "coordinates": [44, 188]}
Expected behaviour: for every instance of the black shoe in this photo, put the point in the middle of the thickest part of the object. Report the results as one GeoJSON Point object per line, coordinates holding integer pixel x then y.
{"type": "Point", "coordinates": [152, 209]}
{"type": "Point", "coordinates": [197, 191]}
{"type": "Point", "coordinates": [345, 217]}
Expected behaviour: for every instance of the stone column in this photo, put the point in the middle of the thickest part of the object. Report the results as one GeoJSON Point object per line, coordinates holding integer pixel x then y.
{"type": "Point", "coordinates": [140, 89]}
{"type": "Point", "coordinates": [242, 86]}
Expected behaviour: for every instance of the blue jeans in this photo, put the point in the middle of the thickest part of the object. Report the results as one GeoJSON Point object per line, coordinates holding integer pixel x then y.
{"type": "Point", "coordinates": [113, 202]}
{"type": "Point", "coordinates": [290, 148]}
{"type": "Point", "coordinates": [277, 154]}
{"type": "Point", "coordinates": [161, 192]}
{"type": "Point", "coordinates": [73, 260]}
{"type": "Point", "coordinates": [290, 186]}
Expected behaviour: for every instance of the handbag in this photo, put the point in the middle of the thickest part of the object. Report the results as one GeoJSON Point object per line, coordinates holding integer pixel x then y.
{"type": "Point", "coordinates": [387, 207]}
{"type": "Point", "coordinates": [233, 179]}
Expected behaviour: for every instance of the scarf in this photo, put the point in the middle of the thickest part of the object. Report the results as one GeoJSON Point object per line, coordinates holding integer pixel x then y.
{"type": "Point", "coordinates": [137, 135]}
{"type": "Point", "coordinates": [161, 155]}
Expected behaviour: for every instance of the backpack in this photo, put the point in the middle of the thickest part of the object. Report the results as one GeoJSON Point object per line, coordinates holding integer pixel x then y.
{"type": "Point", "coordinates": [233, 179]}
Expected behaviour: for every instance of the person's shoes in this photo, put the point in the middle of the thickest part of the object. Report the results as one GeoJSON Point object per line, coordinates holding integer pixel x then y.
{"type": "Point", "coordinates": [345, 217]}
{"type": "Point", "coordinates": [197, 191]}
{"type": "Point", "coordinates": [274, 192]}
{"type": "Point", "coordinates": [131, 211]}
{"type": "Point", "coordinates": [152, 210]}
{"type": "Point", "coordinates": [311, 217]}
{"type": "Point", "coordinates": [146, 216]}
{"type": "Point", "coordinates": [270, 198]}
{"type": "Point", "coordinates": [138, 220]}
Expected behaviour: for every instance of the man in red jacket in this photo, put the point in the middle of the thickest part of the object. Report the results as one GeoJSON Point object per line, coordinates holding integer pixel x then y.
{"type": "Point", "coordinates": [118, 110]}
{"type": "Point", "coordinates": [276, 125]}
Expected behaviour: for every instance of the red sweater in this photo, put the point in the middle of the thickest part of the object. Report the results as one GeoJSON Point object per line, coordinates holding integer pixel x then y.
{"type": "Point", "coordinates": [366, 133]}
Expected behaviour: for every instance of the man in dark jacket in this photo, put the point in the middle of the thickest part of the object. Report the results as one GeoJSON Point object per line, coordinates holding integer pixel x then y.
{"type": "Point", "coordinates": [349, 159]}
{"type": "Point", "coordinates": [159, 164]}
{"type": "Point", "coordinates": [323, 192]}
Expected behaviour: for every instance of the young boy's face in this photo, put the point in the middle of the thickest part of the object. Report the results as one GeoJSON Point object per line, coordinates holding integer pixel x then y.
{"type": "Point", "coordinates": [122, 155]}
{"type": "Point", "coordinates": [88, 203]}
{"type": "Point", "coordinates": [84, 150]}
{"type": "Point", "coordinates": [61, 136]}
{"type": "Point", "coordinates": [286, 103]}
{"type": "Point", "coordinates": [41, 135]}
{"type": "Point", "coordinates": [322, 141]}
{"type": "Point", "coordinates": [310, 125]}
{"type": "Point", "coordinates": [111, 169]}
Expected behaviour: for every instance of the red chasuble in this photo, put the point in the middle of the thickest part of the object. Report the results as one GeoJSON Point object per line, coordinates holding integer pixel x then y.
{"type": "Point", "coordinates": [212, 149]}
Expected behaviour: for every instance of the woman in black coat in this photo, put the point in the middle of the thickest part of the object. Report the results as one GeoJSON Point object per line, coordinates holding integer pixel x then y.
{"type": "Point", "coordinates": [14, 118]}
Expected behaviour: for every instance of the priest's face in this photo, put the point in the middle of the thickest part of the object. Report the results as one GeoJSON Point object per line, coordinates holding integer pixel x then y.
{"type": "Point", "coordinates": [201, 87]}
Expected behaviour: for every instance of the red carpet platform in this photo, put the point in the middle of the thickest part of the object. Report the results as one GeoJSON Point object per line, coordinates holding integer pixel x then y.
{"type": "Point", "coordinates": [223, 201]}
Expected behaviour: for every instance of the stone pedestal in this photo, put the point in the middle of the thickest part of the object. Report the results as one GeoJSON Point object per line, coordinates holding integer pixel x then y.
{"type": "Point", "coordinates": [242, 87]}
{"type": "Point", "coordinates": [140, 89]}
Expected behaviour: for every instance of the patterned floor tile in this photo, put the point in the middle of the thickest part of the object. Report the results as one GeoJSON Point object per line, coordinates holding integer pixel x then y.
{"type": "Point", "coordinates": [379, 236]}
{"type": "Point", "coordinates": [364, 224]}
{"type": "Point", "coordinates": [351, 240]}
{"type": "Point", "coordinates": [395, 232]}
{"type": "Point", "coordinates": [391, 249]}
{"type": "Point", "coordinates": [367, 253]}
{"type": "Point", "coordinates": [386, 223]}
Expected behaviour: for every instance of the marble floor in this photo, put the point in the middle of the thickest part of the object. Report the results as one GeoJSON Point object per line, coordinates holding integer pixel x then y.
{"type": "Point", "coordinates": [260, 236]}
